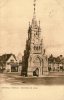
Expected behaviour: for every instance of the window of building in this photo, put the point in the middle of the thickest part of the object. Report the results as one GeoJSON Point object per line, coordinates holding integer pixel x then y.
{"type": "Point", "coordinates": [39, 47]}
{"type": "Point", "coordinates": [14, 69]}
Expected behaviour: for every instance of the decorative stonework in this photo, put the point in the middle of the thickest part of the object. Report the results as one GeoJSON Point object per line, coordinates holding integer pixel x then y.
{"type": "Point", "coordinates": [35, 61]}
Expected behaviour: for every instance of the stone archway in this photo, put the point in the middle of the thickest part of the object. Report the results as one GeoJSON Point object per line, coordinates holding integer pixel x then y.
{"type": "Point", "coordinates": [36, 72]}
{"type": "Point", "coordinates": [37, 62]}
{"type": "Point", "coordinates": [37, 66]}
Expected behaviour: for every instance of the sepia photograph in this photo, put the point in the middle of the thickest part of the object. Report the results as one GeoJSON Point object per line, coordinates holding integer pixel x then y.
{"type": "Point", "coordinates": [31, 49]}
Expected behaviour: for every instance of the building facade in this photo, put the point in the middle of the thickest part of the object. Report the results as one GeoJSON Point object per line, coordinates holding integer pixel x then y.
{"type": "Point", "coordinates": [9, 64]}
{"type": "Point", "coordinates": [56, 64]}
{"type": "Point", "coordinates": [35, 61]}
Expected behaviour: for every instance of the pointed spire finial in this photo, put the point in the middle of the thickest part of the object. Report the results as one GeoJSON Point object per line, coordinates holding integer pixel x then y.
{"type": "Point", "coordinates": [34, 7]}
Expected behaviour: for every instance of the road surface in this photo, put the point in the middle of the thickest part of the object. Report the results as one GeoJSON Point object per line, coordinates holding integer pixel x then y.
{"type": "Point", "coordinates": [13, 79]}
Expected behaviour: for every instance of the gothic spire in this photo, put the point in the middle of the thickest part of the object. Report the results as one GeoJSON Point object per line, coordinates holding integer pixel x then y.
{"type": "Point", "coordinates": [34, 15]}
{"type": "Point", "coordinates": [34, 21]}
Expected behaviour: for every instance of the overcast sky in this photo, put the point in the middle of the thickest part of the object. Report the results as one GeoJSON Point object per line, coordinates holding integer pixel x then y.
{"type": "Point", "coordinates": [14, 20]}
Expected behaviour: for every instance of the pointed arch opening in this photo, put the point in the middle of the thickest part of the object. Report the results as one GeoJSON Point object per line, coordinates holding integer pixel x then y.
{"type": "Point", "coordinates": [37, 62]}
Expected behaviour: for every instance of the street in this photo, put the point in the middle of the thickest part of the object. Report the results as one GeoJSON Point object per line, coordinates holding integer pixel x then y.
{"type": "Point", "coordinates": [13, 79]}
{"type": "Point", "coordinates": [9, 79]}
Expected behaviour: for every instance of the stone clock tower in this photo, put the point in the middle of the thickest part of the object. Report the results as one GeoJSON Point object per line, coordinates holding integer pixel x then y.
{"type": "Point", "coordinates": [36, 60]}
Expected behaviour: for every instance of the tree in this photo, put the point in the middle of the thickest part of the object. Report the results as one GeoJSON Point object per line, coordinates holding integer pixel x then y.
{"type": "Point", "coordinates": [51, 58]}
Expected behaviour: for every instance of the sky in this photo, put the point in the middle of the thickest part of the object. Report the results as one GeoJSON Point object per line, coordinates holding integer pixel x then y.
{"type": "Point", "coordinates": [14, 22]}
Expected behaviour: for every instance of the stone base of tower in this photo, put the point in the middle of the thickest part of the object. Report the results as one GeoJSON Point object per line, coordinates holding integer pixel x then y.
{"type": "Point", "coordinates": [45, 66]}
{"type": "Point", "coordinates": [42, 73]}
{"type": "Point", "coordinates": [30, 72]}
{"type": "Point", "coordinates": [45, 70]}
{"type": "Point", "coordinates": [45, 73]}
